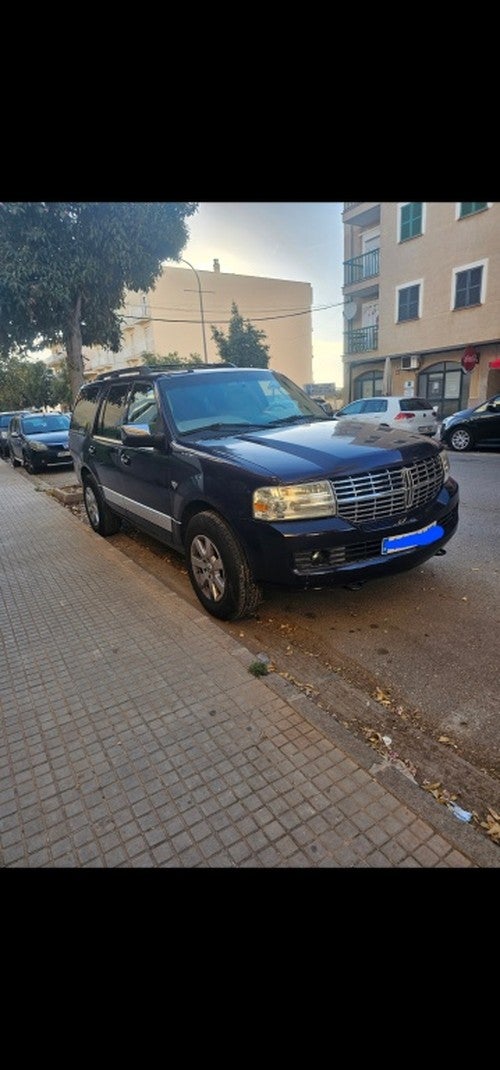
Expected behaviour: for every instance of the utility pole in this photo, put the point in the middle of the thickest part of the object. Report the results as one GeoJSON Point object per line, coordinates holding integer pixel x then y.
{"type": "Point", "coordinates": [201, 308]}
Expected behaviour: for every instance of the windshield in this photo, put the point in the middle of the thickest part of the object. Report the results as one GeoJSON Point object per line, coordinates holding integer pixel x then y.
{"type": "Point", "coordinates": [40, 425]}
{"type": "Point", "coordinates": [234, 400]}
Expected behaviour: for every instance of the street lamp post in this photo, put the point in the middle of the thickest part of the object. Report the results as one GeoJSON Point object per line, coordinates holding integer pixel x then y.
{"type": "Point", "coordinates": [201, 307]}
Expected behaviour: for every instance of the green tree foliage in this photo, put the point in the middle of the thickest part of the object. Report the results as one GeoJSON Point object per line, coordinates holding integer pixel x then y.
{"type": "Point", "coordinates": [243, 345]}
{"type": "Point", "coordinates": [61, 389]}
{"type": "Point", "coordinates": [65, 268]}
{"type": "Point", "coordinates": [153, 359]}
{"type": "Point", "coordinates": [30, 384]}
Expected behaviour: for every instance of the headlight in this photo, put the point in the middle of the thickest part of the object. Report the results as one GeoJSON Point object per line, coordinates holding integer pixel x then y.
{"type": "Point", "coordinates": [445, 461]}
{"type": "Point", "coordinates": [300, 501]}
{"type": "Point", "coordinates": [40, 446]}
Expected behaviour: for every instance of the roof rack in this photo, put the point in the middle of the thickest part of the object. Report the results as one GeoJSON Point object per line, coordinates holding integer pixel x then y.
{"type": "Point", "coordinates": [146, 369]}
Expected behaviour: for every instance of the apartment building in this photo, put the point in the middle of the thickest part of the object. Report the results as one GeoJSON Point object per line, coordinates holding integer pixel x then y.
{"type": "Point", "coordinates": [176, 317]}
{"type": "Point", "coordinates": [422, 301]}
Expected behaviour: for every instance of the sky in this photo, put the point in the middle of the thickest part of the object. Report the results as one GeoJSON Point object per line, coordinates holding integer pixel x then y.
{"type": "Point", "coordinates": [298, 241]}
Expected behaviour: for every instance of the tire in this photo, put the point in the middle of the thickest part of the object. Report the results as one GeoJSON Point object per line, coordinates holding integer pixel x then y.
{"type": "Point", "coordinates": [461, 439]}
{"type": "Point", "coordinates": [30, 465]}
{"type": "Point", "coordinates": [218, 569]}
{"type": "Point", "coordinates": [14, 461]}
{"type": "Point", "coordinates": [101, 518]}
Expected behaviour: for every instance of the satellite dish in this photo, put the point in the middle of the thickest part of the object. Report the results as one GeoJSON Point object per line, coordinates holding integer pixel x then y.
{"type": "Point", "coordinates": [350, 310]}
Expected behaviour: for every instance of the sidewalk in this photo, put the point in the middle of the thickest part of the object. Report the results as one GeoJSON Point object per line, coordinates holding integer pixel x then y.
{"type": "Point", "coordinates": [133, 735]}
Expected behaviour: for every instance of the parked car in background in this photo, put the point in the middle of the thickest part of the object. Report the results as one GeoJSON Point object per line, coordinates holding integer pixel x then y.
{"type": "Point", "coordinates": [5, 418]}
{"type": "Point", "coordinates": [37, 440]}
{"type": "Point", "coordinates": [478, 426]}
{"type": "Point", "coordinates": [245, 475]}
{"type": "Point", "coordinates": [324, 404]}
{"type": "Point", "coordinates": [397, 413]}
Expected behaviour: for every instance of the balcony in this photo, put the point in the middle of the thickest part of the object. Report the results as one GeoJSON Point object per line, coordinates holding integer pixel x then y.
{"type": "Point", "coordinates": [132, 313]}
{"type": "Point", "coordinates": [360, 268]}
{"type": "Point", "coordinates": [360, 340]}
{"type": "Point", "coordinates": [361, 213]}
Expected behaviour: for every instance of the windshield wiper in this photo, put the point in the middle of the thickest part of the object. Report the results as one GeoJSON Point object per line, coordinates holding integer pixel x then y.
{"type": "Point", "coordinates": [219, 427]}
{"type": "Point", "coordinates": [298, 417]}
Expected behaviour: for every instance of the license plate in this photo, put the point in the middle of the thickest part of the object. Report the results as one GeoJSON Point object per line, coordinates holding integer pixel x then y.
{"type": "Point", "coordinates": [393, 544]}
{"type": "Point", "coordinates": [63, 453]}
{"type": "Point", "coordinates": [424, 429]}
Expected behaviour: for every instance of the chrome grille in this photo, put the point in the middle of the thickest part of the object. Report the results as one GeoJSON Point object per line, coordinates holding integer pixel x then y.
{"type": "Point", "coordinates": [388, 492]}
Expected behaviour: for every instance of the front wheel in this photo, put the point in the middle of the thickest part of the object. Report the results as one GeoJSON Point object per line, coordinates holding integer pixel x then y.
{"type": "Point", "coordinates": [101, 518]}
{"type": "Point", "coordinates": [461, 439]}
{"type": "Point", "coordinates": [30, 465]}
{"type": "Point", "coordinates": [218, 569]}
{"type": "Point", "coordinates": [14, 461]}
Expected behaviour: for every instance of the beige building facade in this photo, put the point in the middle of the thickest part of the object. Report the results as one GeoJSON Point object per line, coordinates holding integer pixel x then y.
{"type": "Point", "coordinates": [421, 293]}
{"type": "Point", "coordinates": [177, 316]}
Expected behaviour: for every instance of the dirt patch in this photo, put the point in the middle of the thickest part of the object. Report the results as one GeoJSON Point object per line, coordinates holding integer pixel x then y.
{"type": "Point", "coordinates": [67, 495]}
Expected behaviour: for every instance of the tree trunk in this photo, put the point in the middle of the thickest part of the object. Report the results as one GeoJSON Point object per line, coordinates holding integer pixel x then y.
{"type": "Point", "coordinates": [73, 346]}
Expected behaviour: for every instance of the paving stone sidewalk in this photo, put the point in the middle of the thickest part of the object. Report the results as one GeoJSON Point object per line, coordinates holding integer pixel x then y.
{"type": "Point", "coordinates": [133, 735]}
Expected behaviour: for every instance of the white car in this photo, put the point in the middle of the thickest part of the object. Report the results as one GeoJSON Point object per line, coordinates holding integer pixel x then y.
{"type": "Point", "coordinates": [396, 413]}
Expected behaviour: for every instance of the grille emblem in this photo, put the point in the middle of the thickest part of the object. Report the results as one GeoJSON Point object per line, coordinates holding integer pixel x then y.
{"type": "Point", "coordinates": [409, 486]}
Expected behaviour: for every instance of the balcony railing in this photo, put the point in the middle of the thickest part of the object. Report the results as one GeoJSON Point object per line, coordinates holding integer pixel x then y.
{"type": "Point", "coordinates": [360, 340]}
{"type": "Point", "coordinates": [133, 313]}
{"type": "Point", "coordinates": [362, 267]}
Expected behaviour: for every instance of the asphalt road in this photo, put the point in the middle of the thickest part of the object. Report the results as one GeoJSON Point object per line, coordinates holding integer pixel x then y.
{"type": "Point", "coordinates": [408, 663]}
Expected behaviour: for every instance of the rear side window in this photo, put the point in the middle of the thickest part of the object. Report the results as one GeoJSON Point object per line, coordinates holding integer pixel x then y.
{"type": "Point", "coordinates": [414, 404]}
{"type": "Point", "coordinates": [84, 410]}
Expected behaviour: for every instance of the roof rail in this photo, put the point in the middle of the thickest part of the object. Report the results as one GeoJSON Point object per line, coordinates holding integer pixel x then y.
{"type": "Point", "coordinates": [146, 369]}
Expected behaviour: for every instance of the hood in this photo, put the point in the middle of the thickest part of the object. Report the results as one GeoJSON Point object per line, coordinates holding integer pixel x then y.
{"type": "Point", "coordinates": [459, 415]}
{"type": "Point", "coordinates": [49, 437]}
{"type": "Point", "coordinates": [316, 450]}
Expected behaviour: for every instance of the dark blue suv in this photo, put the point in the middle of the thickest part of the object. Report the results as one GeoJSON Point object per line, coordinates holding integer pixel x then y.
{"type": "Point", "coordinates": [243, 473]}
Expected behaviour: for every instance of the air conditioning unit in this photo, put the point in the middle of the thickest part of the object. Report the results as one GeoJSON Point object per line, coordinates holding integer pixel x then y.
{"type": "Point", "coordinates": [410, 363]}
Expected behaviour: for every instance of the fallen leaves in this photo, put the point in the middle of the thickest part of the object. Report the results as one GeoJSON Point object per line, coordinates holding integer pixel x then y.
{"type": "Point", "coordinates": [449, 742]}
{"type": "Point", "coordinates": [383, 743]}
{"type": "Point", "coordinates": [382, 696]}
{"type": "Point", "coordinates": [308, 689]}
{"type": "Point", "coordinates": [492, 825]}
{"type": "Point", "coordinates": [441, 794]}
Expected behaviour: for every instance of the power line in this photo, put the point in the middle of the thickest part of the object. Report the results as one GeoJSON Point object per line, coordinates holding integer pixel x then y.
{"type": "Point", "coordinates": [256, 319]}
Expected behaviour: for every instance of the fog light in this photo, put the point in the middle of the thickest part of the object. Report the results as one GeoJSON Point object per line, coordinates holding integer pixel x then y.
{"type": "Point", "coordinates": [316, 557]}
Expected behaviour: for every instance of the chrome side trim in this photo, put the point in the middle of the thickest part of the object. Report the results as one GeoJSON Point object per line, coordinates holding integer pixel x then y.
{"type": "Point", "coordinates": [153, 516]}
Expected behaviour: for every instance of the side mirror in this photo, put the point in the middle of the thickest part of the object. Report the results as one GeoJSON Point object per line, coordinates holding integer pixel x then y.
{"type": "Point", "coordinates": [140, 435]}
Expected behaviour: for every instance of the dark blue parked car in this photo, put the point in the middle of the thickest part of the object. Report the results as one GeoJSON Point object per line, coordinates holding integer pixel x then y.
{"type": "Point", "coordinates": [39, 439]}
{"type": "Point", "coordinates": [243, 473]}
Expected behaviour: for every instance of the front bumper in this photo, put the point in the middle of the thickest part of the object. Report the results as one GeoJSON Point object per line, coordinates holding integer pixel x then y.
{"type": "Point", "coordinates": [333, 551]}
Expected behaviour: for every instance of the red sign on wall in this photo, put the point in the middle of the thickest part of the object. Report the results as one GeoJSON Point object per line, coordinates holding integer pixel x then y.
{"type": "Point", "coordinates": [470, 359]}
